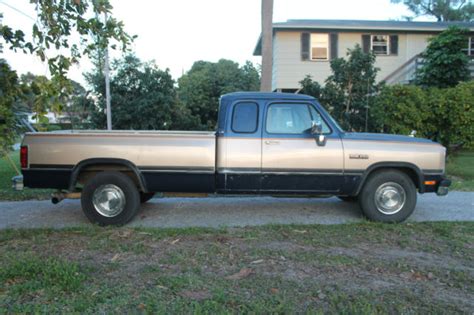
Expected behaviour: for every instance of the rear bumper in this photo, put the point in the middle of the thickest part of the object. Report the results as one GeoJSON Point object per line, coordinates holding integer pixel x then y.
{"type": "Point", "coordinates": [17, 182]}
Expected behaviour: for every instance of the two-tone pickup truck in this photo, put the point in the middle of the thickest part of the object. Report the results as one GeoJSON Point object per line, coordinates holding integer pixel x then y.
{"type": "Point", "coordinates": [266, 143]}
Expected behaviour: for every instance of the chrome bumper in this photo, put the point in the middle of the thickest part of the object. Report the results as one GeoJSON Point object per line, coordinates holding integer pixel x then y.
{"type": "Point", "coordinates": [17, 182]}
{"type": "Point", "coordinates": [443, 187]}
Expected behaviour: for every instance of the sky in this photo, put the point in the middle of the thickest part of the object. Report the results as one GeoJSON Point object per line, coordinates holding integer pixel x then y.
{"type": "Point", "coordinates": [176, 33]}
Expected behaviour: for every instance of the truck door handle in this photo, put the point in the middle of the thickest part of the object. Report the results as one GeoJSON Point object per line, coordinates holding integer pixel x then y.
{"type": "Point", "coordinates": [270, 142]}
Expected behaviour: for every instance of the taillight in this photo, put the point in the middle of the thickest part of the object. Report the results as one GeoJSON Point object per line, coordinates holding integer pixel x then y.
{"type": "Point", "coordinates": [24, 157]}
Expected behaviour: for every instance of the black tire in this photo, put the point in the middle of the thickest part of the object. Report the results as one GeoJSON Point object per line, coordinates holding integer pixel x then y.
{"type": "Point", "coordinates": [144, 197]}
{"type": "Point", "coordinates": [348, 198]}
{"type": "Point", "coordinates": [368, 203]}
{"type": "Point", "coordinates": [129, 197]}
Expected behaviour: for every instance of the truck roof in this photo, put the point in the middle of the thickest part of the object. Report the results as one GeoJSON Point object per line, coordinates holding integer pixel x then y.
{"type": "Point", "coordinates": [263, 95]}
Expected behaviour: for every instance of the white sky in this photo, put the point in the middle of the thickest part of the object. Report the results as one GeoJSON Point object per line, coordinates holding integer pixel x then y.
{"type": "Point", "coordinates": [175, 33]}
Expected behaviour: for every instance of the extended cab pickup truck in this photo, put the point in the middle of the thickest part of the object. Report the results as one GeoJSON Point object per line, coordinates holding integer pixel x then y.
{"type": "Point", "coordinates": [266, 143]}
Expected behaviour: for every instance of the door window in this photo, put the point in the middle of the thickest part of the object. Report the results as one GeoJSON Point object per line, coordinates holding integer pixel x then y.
{"type": "Point", "coordinates": [292, 119]}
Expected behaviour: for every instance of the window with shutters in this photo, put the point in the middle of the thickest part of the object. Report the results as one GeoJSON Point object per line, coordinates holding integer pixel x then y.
{"type": "Point", "coordinates": [319, 46]}
{"type": "Point", "coordinates": [380, 44]}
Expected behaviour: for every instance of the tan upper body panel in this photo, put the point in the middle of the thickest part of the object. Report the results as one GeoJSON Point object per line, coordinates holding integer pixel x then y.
{"type": "Point", "coordinates": [360, 154]}
{"type": "Point", "coordinates": [143, 148]}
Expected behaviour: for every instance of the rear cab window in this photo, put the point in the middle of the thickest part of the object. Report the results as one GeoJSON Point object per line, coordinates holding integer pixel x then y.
{"type": "Point", "coordinates": [245, 117]}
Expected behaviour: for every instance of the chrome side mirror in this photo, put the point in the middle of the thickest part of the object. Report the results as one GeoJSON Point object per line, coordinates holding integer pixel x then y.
{"type": "Point", "coordinates": [317, 132]}
{"type": "Point", "coordinates": [316, 127]}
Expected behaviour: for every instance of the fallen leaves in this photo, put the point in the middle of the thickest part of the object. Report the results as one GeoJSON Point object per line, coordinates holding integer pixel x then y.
{"type": "Point", "coordinates": [243, 273]}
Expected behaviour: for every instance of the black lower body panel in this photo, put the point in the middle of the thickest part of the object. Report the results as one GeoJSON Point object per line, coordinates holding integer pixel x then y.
{"type": "Point", "coordinates": [180, 182]}
{"type": "Point", "coordinates": [47, 178]}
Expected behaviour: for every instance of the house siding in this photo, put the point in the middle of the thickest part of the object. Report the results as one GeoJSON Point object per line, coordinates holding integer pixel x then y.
{"type": "Point", "coordinates": [289, 68]}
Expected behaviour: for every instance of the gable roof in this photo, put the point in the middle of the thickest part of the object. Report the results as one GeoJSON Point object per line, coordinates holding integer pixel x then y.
{"type": "Point", "coordinates": [362, 26]}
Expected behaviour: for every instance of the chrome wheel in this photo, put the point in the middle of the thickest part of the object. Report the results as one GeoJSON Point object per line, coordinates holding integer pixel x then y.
{"type": "Point", "coordinates": [109, 200]}
{"type": "Point", "coordinates": [390, 198]}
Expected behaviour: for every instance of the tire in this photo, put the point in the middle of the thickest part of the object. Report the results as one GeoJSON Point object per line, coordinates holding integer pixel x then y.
{"type": "Point", "coordinates": [144, 197]}
{"type": "Point", "coordinates": [388, 196]}
{"type": "Point", "coordinates": [110, 198]}
{"type": "Point", "coordinates": [348, 198]}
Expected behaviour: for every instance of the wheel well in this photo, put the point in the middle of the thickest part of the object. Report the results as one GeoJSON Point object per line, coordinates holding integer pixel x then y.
{"type": "Point", "coordinates": [410, 172]}
{"type": "Point", "coordinates": [85, 171]}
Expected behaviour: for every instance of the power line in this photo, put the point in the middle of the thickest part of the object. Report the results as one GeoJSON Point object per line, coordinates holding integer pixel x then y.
{"type": "Point", "coordinates": [17, 10]}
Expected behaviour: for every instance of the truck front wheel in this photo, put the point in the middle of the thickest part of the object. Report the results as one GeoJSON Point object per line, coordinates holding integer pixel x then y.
{"type": "Point", "coordinates": [388, 196]}
{"type": "Point", "coordinates": [110, 198]}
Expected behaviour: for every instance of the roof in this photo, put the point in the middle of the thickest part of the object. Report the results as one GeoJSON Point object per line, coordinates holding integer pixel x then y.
{"type": "Point", "coordinates": [363, 26]}
{"type": "Point", "coordinates": [264, 95]}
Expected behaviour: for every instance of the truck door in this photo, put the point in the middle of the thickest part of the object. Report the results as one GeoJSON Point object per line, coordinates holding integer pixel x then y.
{"type": "Point", "coordinates": [240, 149]}
{"type": "Point", "coordinates": [292, 160]}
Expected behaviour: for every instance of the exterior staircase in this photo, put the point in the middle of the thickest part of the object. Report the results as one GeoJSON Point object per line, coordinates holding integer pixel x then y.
{"type": "Point", "coordinates": [406, 72]}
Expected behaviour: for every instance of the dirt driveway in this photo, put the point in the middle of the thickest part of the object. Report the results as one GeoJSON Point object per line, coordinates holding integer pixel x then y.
{"type": "Point", "coordinates": [232, 211]}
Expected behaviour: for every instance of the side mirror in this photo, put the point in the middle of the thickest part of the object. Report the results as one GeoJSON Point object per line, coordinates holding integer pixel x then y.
{"type": "Point", "coordinates": [316, 128]}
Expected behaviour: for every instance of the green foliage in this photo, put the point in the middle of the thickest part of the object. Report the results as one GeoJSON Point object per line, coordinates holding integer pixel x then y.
{"type": "Point", "coordinates": [143, 96]}
{"type": "Point", "coordinates": [201, 87]}
{"type": "Point", "coordinates": [348, 90]}
{"type": "Point", "coordinates": [10, 92]}
{"type": "Point", "coordinates": [76, 26]}
{"type": "Point", "coordinates": [444, 115]}
{"type": "Point", "coordinates": [442, 10]}
{"type": "Point", "coordinates": [444, 62]}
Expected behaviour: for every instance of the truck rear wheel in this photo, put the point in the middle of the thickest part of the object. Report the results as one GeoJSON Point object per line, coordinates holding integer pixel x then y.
{"type": "Point", "coordinates": [388, 196]}
{"type": "Point", "coordinates": [110, 198]}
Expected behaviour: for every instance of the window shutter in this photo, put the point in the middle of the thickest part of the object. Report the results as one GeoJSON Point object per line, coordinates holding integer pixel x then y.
{"type": "Point", "coordinates": [393, 44]}
{"type": "Point", "coordinates": [333, 42]}
{"type": "Point", "coordinates": [305, 39]}
{"type": "Point", "coordinates": [366, 43]}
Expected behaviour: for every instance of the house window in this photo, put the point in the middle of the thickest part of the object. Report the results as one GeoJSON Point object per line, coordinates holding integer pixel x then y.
{"type": "Point", "coordinates": [319, 46]}
{"type": "Point", "coordinates": [470, 47]}
{"type": "Point", "coordinates": [380, 44]}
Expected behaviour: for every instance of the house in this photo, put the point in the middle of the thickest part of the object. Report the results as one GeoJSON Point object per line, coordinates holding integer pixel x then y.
{"type": "Point", "coordinates": [306, 47]}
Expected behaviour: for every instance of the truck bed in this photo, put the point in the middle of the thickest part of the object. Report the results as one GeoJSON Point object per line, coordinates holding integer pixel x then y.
{"type": "Point", "coordinates": [157, 150]}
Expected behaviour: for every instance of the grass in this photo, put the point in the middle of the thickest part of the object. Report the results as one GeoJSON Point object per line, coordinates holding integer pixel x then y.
{"type": "Point", "coordinates": [348, 269]}
{"type": "Point", "coordinates": [6, 191]}
{"type": "Point", "coordinates": [460, 168]}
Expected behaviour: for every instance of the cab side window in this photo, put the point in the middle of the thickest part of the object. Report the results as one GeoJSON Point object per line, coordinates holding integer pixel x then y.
{"type": "Point", "coordinates": [245, 117]}
{"type": "Point", "coordinates": [292, 119]}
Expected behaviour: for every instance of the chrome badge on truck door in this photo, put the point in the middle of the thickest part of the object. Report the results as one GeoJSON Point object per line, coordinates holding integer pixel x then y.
{"type": "Point", "coordinates": [359, 156]}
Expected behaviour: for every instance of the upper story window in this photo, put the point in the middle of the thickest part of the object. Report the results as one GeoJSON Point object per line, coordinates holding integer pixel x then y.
{"type": "Point", "coordinates": [244, 117]}
{"type": "Point", "coordinates": [292, 119]}
{"type": "Point", "coordinates": [319, 46]}
{"type": "Point", "coordinates": [380, 44]}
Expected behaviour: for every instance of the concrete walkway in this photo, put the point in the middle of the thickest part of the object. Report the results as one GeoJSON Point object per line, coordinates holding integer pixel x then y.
{"type": "Point", "coordinates": [232, 211]}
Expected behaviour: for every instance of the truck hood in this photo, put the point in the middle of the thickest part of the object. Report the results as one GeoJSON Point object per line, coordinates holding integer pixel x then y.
{"type": "Point", "coordinates": [382, 137]}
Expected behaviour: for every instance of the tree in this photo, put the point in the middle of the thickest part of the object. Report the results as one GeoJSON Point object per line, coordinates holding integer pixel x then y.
{"type": "Point", "coordinates": [143, 98]}
{"type": "Point", "coordinates": [348, 89]}
{"type": "Point", "coordinates": [201, 87]}
{"type": "Point", "coordinates": [10, 92]}
{"type": "Point", "coordinates": [71, 24]}
{"type": "Point", "coordinates": [444, 62]}
{"type": "Point", "coordinates": [442, 10]}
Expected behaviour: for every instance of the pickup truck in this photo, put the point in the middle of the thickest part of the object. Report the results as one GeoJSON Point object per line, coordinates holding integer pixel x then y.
{"type": "Point", "coordinates": [265, 144]}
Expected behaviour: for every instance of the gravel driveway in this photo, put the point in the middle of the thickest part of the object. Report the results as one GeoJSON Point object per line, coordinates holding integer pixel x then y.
{"type": "Point", "coordinates": [232, 211]}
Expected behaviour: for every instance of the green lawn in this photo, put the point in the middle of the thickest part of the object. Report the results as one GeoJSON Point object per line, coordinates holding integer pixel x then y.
{"type": "Point", "coordinates": [360, 268]}
{"type": "Point", "coordinates": [460, 168]}
{"type": "Point", "coordinates": [6, 191]}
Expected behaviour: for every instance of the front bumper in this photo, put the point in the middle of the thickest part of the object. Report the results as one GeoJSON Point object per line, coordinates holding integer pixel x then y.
{"type": "Point", "coordinates": [17, 182]}
{"type": "Point", "coordinates": [443, 187]}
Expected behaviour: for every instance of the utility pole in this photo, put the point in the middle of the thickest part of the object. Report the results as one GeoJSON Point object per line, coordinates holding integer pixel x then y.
{"type": "Point", "coordinates": [107, 83]}
{"type": "Point", "coordinates": [267, 46]}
